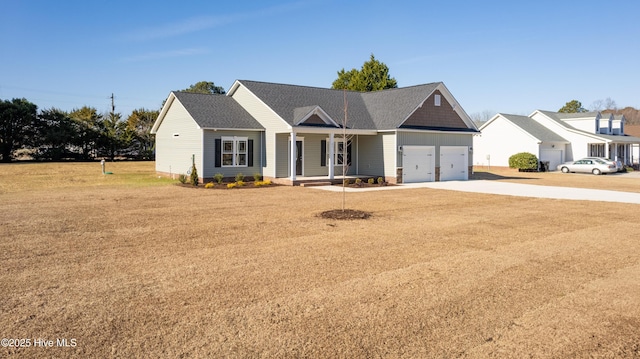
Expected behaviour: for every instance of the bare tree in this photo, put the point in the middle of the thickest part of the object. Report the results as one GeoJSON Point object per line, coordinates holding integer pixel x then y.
{"type": "Point", "coordinates": [479, 118]}
{"type": "Point", "coordinates": [343, 150]}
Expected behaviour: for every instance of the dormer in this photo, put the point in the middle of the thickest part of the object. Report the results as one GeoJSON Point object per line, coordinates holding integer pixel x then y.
{"type": "Point", "coordinates": [605, 124]}
{"type": "Point", "coordinates": [617, 125]}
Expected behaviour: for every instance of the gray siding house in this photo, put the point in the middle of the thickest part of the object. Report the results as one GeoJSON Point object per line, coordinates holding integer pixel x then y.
{"type": "Point", "coordinates": [291, 134]}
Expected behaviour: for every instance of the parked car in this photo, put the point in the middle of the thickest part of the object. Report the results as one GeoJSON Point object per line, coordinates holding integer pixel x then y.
{"type": "Point", "coordinates": [588, 165]}
{"type": "Point", "coordinates": [617, 163]}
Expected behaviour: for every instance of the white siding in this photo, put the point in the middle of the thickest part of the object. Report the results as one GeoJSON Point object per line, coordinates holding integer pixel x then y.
{"type": "Point", "coordinates": [500, 140]}
{"type": "Point", "coordinates": [390, 153]}
{"type": "Point", "coordinates": [270, 121]}
{"type": "Point", "coordinates": [370, 156]}
{"type": "Point", "coordinates": [173, 153]}
{"type": "Point", "coordinates": [578, 146]}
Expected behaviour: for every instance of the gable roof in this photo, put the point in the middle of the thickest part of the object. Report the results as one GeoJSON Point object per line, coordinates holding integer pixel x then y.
{"type": "Point", "coordinates": [216, 111]}
{"type": "Point", "coordinates": [535, 129]}
{"type": "Point", "coordinates": [557, 118]}
{"type": "Point", "coordinates": [379, 110]}
{"type": "Point", "coordinates": [210, 111]}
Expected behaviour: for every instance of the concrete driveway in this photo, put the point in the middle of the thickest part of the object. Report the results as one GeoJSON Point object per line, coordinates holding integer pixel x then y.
{"type": "Point", "coordinates": [511, 189]}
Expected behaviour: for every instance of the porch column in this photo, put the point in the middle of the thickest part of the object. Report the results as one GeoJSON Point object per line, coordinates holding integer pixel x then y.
{"type": "Point", "coordinates": [330, 162]}
{"type": "Point", "coordinates": [292, 160]}
{"type": "Point", "coordinates": [606, 150]}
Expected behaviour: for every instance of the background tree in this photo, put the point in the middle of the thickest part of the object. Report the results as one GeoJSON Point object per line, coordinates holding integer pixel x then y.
{"type": "Point", "coordinates": [573, 106]}
{"type": "Point", "coordinates": [480, 118]}
{"type": "Point", "coordinates": [18, 120]}
{"type": "Point", "coordinates": [139, 123]}
{"type": "Point", "coordinates": [373, 76]}
{"type": "Point", "coordinates": [115, 136]}
{"type": "Point", "coordinates": [56, 135]}
{"type": "Point", "coordinates": [88, 126]}
{"type": "Point", "coordinates": [205, 87]}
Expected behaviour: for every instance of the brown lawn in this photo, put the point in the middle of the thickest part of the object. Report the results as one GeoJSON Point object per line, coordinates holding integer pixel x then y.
{"type": "Point", "coordinates": [131, 266]}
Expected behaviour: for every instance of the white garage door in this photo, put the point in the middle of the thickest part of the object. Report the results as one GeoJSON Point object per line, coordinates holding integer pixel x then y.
{"type": "Point", "coordinates": [418, 164]}
{"type": "Point", "coordinates": [553, 156]}
{"type": "Point", "coordinates": [454, 163]}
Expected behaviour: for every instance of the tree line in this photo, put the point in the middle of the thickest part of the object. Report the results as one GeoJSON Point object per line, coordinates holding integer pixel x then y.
{"type": "Point", "coordinates": [81, 134]}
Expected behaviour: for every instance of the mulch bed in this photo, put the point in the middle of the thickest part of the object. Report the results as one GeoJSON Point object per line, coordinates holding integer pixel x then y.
{"type": "Point", "coordinates": [346, 214]}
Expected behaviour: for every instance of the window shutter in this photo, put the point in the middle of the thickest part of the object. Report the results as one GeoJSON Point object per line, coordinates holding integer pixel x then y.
{"type": "Point", "coordinates": [218, 153]}
{"type": "Point", "coordinates": [323, 153]}
{"type": "Point", "coordinates": [250, 153]}
{"type": "Point", "coordinates": [349, 154]}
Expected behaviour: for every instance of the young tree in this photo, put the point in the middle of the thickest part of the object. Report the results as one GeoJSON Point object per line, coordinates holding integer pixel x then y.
{"type": "Point", "coordinates": [18, 119]}
{"type": "Point", "coordinates": [373, 76]}
{"type": "Point", "coordinates": [573, 106]}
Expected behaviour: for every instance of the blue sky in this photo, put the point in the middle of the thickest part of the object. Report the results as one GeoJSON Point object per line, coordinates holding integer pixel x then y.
{"type": "Point", "coordinates": [497, 56]}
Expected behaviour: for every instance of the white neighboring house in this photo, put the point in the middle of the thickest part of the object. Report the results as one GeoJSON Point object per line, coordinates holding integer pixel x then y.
{"type": "Point", "coordinates": [554, 137]}
{"type": "Point", "coordinates": [505, 135]}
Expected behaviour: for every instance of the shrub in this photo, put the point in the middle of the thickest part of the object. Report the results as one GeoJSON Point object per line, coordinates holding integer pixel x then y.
{"type": "Point", "coordinates": [218, 177]}
{"type": "Point", "coordinates": [231, 185]}
{"type": "Point", "coordinates": [524, 161]}
{"type": "Point", "coordinates": [240, 183]}
{"type": "Point", "coordinates": [370, 180]}
{"type": "Point", "coordinates": [209, 185]}
{"type": "Point", "coordinates": [345, 182]}
{"type": "Point", "coordinates": [267, 183]}
{"type": "Point", "coordinates": [194, 175]}
{"type": "Point", "coordinates": [257, 177]}
{"type": "Point", "coordinates": [358, 182]}
{"type": "Point", "coordinates": [239, 177]}
{"type": "Point", "coordinates": [380, 180]}
{"type": "Point", "coordinates": [182, 178]}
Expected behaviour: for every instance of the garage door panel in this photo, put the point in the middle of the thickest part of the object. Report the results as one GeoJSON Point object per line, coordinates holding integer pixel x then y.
{"type": "Point", "coordinates": [418, 164]}
{"type": "Point", "coordinates": [454, 163]}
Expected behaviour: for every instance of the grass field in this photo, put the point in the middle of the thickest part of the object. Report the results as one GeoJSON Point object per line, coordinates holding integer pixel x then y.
{"type": "Point", "coordinates": [129, 265]}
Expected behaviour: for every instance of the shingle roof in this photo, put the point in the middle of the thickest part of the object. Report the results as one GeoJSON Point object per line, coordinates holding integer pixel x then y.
{"type": "Point", "coordinates": [534, 128]}
{"type": "Point", "coordinates": [216, 111]}
{"type": "Point", "coordinates": [379, 110]}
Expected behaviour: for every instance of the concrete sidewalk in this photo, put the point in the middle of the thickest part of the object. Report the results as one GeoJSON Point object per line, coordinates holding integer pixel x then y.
{"type": "Point", "coordinates": [510, 189]}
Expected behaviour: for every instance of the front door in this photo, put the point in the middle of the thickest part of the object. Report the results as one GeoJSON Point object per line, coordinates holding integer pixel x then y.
{"type": "Point", "coordinates": [298, 158]}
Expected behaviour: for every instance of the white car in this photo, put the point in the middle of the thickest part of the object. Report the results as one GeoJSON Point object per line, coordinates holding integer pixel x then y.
{"type": "Point", "coordinates": [617, 163]}
{"type": "Point", "coordinates": [588, 165]}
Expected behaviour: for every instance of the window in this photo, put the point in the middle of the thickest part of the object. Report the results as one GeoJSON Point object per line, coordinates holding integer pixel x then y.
{"type": "Point", "coordinates": [234, 151]}
{"type": "Point", "coordinates": [340, 152]}
{"type": "Point", "coordinates": [437, 100]}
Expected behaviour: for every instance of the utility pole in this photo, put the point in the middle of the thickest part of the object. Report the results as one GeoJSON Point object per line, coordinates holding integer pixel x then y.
{"type": "Point", "coordinates": [113, 106]}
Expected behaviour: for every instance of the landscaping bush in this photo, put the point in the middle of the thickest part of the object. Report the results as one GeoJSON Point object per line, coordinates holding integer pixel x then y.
{"type": "Point", "coordinates": [257, 177]}
{"type": "Point", "coordinates": [239, 183]}
{"type": "Point", "coordinates": [345, 182]}
{"type": "Point", "coordinates": [524, 161]}
{"type": "Point", "coordinates": [182, 178]}
{"type": "Point", "coordinates": [370, 181]}
{"type": "Point", "coordinates": [380, 180]}
{"type": "Point", "coordinates": [231, 185]}
{"type": "Point", "coordinates": [218, 177]}
{"type": "Point", "coordinates": [209, 185]}
{"type": "Point", "coordinates": [239, 177]}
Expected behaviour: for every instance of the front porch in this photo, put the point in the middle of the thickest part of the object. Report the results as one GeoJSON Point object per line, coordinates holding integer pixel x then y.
{"type": "Point", "coordinates": [319, 180]}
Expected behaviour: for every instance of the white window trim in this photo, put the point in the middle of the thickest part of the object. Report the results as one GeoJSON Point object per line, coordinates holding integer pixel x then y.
{"type": "Point", "coordinates": [335, 151]}
{"type": "Point", "coordinates": [235, 150]}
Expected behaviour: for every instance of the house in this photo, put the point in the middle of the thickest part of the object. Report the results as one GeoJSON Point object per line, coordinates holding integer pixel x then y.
{"type": "Point", "coordinates": [290, 133]}
{"type": "Point", "coordinates": [505, 135]}
{"type": "Point", "coordinates": [554, 137]}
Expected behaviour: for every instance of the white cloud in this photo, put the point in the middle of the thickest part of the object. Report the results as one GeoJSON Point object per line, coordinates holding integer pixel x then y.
{"type": "Point", "coordinates": [166, 54]}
